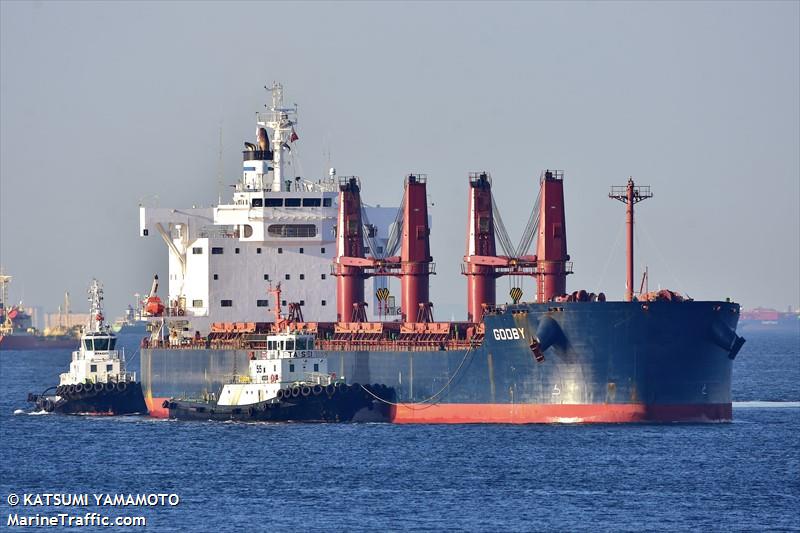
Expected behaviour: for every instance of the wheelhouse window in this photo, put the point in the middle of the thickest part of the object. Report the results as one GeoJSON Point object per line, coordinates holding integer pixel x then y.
{"type": "Point", "coordinates": [257, 202]}
{"type": "Point", "coordinates": [93, 368]}
{"type": "Point", "coordinates": [100, 343]}
{"type": "Point", "coordinates": [312, 202]}
{"type": "Point", "coordinates": [289, 345]}
{"type": "Point", "coordinates": [292, 230]}
{"type": "Point", "coordinates": [216, 250]}
{"type": "Point", "coordinates": [109, 368]}
{"type": "Point", "coordinates": [326, 202]}
{"type": "Point", "coordinates": [226, 303]}
{"type": "Point", "coordinates": [292, 202]}
{"type": "Point", "coordinates": [273, 202]}
{"type": "Point", "coordinates": [301, 343]}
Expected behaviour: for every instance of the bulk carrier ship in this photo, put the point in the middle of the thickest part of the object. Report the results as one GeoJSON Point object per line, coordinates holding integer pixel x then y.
{"type": "Point", "coordinates": [565, 357]}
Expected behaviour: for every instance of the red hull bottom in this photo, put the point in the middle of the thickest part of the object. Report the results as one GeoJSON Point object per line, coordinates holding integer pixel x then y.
{"type": "Point", "coordinates": [559, 413]}
{"type": "Point", "coordinates": [538, 414]}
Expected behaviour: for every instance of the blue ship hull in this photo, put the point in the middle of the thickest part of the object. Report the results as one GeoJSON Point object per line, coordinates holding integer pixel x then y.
{"type": "Point", "coordinates": [555, 362]}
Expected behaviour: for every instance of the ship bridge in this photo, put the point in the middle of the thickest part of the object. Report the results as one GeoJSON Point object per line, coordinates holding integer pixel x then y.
{"type": "Point", "coordinates": [277, 227]}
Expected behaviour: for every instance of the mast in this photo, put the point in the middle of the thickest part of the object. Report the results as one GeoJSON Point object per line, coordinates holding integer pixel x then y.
{"type": "Point", "coordinates": [281, 120]}
{"type": "Point", "coordinates": [551, 246]}
{"type": "Point", "coordinates": [481, 289]}
{"type": "Point", "coordinates": [629, 194]}
{"type": "Point", "coordinates": [6, 327]}
{"type": "Point", "coordinates": [349, 249]}
{"type": "Point", "coordinates": [95, 307]}
{"type": "Point", "coordinates": [415, 257]}
{"type": "Point", "coordinates": [66, 310]}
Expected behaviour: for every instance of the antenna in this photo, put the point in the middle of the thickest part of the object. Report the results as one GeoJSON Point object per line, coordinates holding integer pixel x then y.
{"type": "Point", "coordinates": [66, 309]}
{"type": "Point", "coordinates": [221, 168]}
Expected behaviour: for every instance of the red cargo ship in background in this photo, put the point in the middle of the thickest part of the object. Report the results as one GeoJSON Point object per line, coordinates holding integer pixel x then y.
{"type": "Point", "coordinates": [770, 320]}
{"type": "Point", "coordinates": [17, 331]}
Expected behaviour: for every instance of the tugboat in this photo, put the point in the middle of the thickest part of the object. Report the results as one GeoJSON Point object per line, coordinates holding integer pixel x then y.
{"type": "Point", "coordinates": [97, 382]}
{"type": "Point", "coordinates": [288, 382]}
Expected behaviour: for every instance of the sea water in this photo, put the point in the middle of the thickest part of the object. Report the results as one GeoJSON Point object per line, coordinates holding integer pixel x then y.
{"type": "Point", "coordinates": [743, 475]}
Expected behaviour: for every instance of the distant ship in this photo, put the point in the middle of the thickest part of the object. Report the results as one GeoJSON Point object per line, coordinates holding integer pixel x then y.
{"type": "Point", "coordinates": [17, 331]}
{"type": "Point", "coordinates": [770, 320]}
{"type": "Point", "coordinates": [133, 323]}
{"type": "Point", "coordinates": [562, 357]}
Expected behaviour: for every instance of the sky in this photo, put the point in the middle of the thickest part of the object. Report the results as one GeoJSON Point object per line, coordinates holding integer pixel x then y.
{"type": "Point", "coordinates": [104, 105]}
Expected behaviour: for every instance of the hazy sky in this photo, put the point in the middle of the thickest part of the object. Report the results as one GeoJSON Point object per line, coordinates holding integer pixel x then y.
{"type": "Point", "coordinates": [105, 104]}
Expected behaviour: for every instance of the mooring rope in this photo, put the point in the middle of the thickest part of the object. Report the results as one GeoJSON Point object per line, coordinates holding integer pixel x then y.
{"type": "Point", "coordinates": [411, 405]}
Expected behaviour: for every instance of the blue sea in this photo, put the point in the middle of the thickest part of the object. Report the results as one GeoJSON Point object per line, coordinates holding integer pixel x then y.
{"type": "Point", "coordinates": [741, 476]}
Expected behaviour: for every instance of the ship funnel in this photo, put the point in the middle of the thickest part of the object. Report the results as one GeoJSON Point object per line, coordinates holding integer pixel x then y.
{"type": "Point", "coordinates": [349, 249]}
{"type": "Point", "coordinates": [262, 139]}
{"type": "Point", "coordinates": [417, 263]}
{"type": "Point", "coordinates": [481, 287]}
{"type": "Point", "coordinates": [551, 248]}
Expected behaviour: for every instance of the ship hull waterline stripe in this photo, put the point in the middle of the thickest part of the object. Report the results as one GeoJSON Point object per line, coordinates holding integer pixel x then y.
{"type": "Point", "coordinates": [538, 414]}
{"type": "Point", "coordinates": [559, 413]}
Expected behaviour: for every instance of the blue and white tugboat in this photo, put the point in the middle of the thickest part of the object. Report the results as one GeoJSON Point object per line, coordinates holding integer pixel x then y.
{"type": "Point", "coordinates": [288, 381]}
{"type": "Point", "coordinates": [97, 382]}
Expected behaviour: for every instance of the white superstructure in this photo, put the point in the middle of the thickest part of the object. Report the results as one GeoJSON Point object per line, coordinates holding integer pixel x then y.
{"type": "Point", "coordinates": [278, 227]}
{"type": "Point", "coordinates": [289, 360]}
{"type": "Point", "coordinates": [97, 361]}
